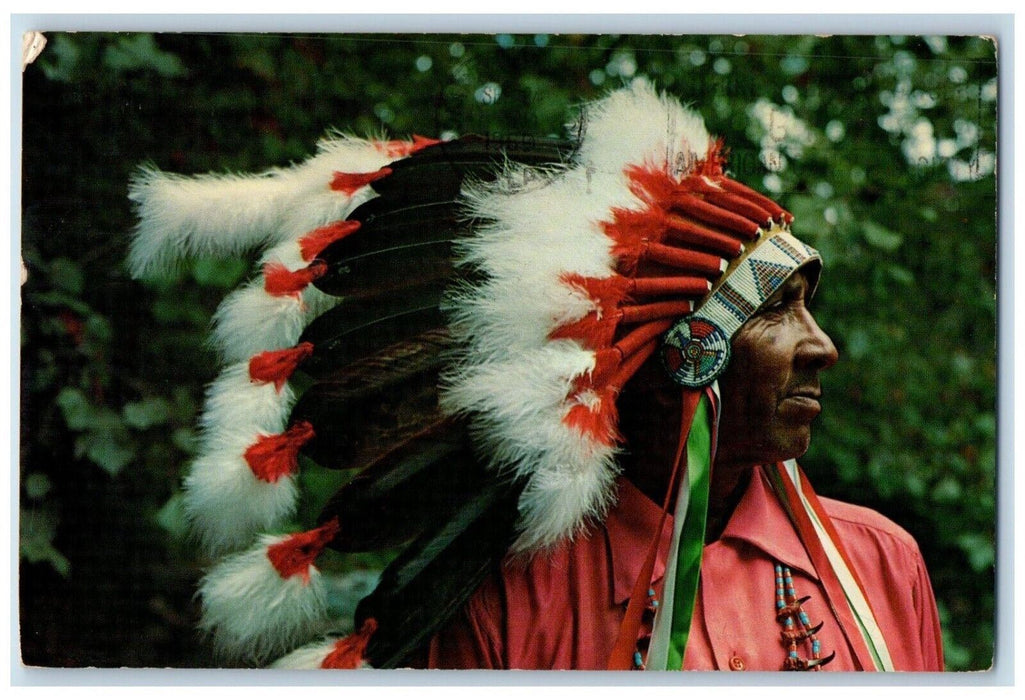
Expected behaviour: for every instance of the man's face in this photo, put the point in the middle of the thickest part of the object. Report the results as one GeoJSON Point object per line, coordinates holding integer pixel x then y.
{"type": "Point", "coordinates": [770, 390]}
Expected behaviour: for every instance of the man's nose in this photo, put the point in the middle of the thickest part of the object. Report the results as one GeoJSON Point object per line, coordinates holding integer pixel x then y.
{"type": "Point", "coordinates": [817, 349]}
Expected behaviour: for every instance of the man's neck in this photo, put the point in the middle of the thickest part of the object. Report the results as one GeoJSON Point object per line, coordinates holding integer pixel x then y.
{"type": "Point", "coordinates": [729, 482]}
{"type": "Point", "coordinates": [725, 491]}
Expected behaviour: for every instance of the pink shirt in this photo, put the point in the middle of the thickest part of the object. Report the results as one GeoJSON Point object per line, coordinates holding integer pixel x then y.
{"type": "Point", "coordinates": [563, 609]}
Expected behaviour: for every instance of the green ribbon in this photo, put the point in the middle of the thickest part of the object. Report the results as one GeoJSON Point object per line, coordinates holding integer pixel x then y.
{"type": "Point", "coordinates": [692, 535]}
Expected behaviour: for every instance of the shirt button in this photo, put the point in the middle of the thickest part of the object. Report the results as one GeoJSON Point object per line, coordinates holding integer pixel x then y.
{"type": "Point", "coordinates": [736, 664]}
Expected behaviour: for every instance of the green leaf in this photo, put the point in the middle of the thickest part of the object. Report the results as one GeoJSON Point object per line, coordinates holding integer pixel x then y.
{"type": "Point", "coordinates": [140, 51]}
{"type": "Point", "coordinates": [60, 59]}
{"type": "Point", "coordinates": [107, 443]}
{"type": "Point", "coordinates": [901, 275]}
{"type": "Point", "coordinates": [948, 490]}
{"type": "Point", "coordinates": [881, 237]}
{"type": "Point", "coordinates": [109, 454]}
{"type": "Point", "coordinates": [67, 275]}
{"type": "Point", "coordinates": [172, 518]}
{"type": "Point", "coordinates": [859, 344]}
{"type": "Point", "coordinates": [979, 550]}
{"type": "Point", "coordinates": [98, 330]}
{"type": "Point", "coordinates": [986, 423]}
{"type": "Point", "coordinates": [185, 439]}
{"type": "Point", "coordinates": [38, 528]}
{"type": "Point", "coordinates": [37, 485]}
{"type": "Point", "coordinates": [146, 413]}
{"type": "Point", "coordinates": [219, 273]}
{"type": "Point", "coordinates": [61, 299]}
{"type": "Point", "coordinates": [77, 411]}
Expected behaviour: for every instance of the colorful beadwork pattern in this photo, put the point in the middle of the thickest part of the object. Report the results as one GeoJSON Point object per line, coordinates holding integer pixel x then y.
{"type": "Point", "coordinates": [695, 350]}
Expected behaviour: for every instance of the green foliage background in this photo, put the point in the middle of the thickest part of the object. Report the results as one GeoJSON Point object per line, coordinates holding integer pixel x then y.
{"type": "Point", "coordinates": [883, 148]}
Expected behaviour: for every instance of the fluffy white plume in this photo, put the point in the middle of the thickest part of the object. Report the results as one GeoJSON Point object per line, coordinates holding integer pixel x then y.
{"type": "Point", "coordinates": [524, 257]}
{"type": "Point", "coordinates": [253, 613]}
{"type": "Point", "coordinates": [250, 320]}
{"type": "Point", "coordinates": [583, 494]}
{"type": "Point", "coordinates": [512, 379]}
{"type": "Point", "coordinates": [661, 131]}
{"type": "Point", "coordinates": [229, 215]}
{"type": "Point", "coordinates": [307, 657]}
{"type": "Point", "coordinates": [226, 503]}
{"type": "Point", "coordinates": [233, 399]}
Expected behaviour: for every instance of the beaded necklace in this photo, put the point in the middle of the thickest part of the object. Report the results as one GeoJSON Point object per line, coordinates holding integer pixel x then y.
{"type": "Point", "coordinates": [788, 607]}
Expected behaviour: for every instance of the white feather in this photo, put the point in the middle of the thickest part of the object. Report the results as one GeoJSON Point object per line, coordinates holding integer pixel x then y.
{"type": "Point", "coordinates": [233, 399]}
{"type": "Point", "coordinates": [226, 503]}
{"type": "Point", "coordinates": [255, 615]}
{"type": "Point", "coordinates": [583, 493]}
{"type": "Point", "coordinates": [229, 215]}
{"type": "Point", "coordinates": [308, 657]}
{"type": "Point", "coordinates": [661, 131]}
{"type": "Point", "coordinates": [250, 321]}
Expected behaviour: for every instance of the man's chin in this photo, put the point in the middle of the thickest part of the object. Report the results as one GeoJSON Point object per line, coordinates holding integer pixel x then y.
{"type": "Point", "coordinates": [796, 445]}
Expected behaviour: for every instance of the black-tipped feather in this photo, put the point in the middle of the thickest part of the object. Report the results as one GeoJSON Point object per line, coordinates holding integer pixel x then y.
{"type": "Point", "coordinates": [391, 365]}
{"type": "Point", "coordinates": [432, 578]}
{"type": "Point", "coordinates": [353, 331]}
{"type": "Point", "coordinates": [418, 261]}
{"type": "Point", "coordinates": [415, 488]}
{"type": "Point", "coordinates": [354, 432]}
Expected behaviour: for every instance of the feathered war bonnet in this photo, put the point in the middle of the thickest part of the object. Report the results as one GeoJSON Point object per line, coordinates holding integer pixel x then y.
{"type": "Point", "coordinates": [451, 325]}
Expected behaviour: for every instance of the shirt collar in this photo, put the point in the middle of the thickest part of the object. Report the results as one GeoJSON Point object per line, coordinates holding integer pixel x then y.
{"type": "Point", "coordinates": [758, 520]}
{"type": "Point", "coordinates": [761, 521]}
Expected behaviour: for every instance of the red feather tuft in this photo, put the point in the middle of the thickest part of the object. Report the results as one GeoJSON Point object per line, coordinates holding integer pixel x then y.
{"type": "Point", "coordinates": [295, 555]}
{"type": "Point", "coordinates": [348, 652]}
{"type": "Point", "coordinates": [277, 365]}
{"type": "Point", "coordinates": [606, 364]}
{"type": "Point", "coordinates": [597, 419]}
{"type": "Point", "coordinates": [609, 292]}
{"type": "Point", "coordinates": [274, 456]}
{"type": "Point", "coordinates": [422, 142]}
{"type": "Point", "coordinates": [596, 329]}
{"type": "Point", "coordinates": [593, 331]}
{"type": "Point", "coordinates": [316, 240]}
{"type": "Point", "coordinates": [651, 184]}
{"type": "Point", "coordinates": [348, 183]}
{"type": "Point", "coordinates": [279, 281]}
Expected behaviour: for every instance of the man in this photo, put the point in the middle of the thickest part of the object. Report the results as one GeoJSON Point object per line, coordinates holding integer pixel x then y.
{"type": "Point", "coordinates": [589, 433]}
{"type": "Point", "coordinates": [564, 610]}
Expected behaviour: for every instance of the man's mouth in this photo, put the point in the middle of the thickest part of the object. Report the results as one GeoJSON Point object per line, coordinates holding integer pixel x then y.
{"type": "Point", "coordinates": [804, 401]}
